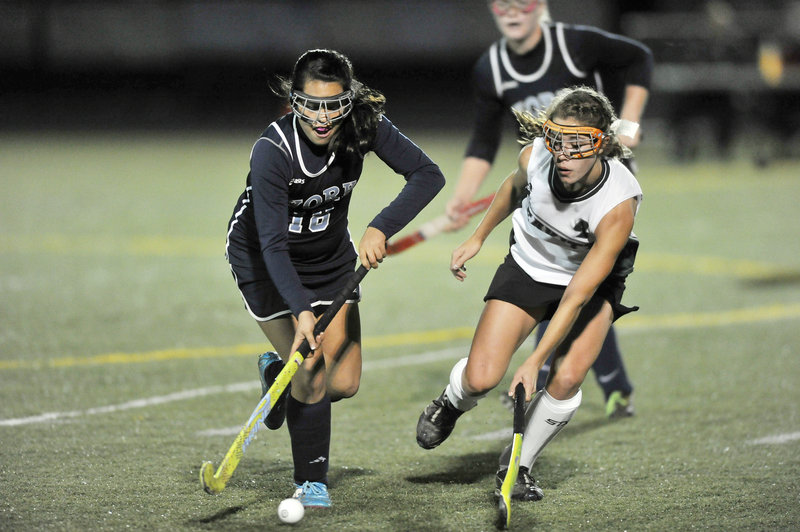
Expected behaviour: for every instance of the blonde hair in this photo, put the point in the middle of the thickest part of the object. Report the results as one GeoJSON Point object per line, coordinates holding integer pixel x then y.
{"type": "Point", "coordinates": [545, 17]}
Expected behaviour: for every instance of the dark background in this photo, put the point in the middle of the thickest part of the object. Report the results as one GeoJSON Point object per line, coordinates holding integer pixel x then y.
{"type": "Point", "coordinates": [175, 64]}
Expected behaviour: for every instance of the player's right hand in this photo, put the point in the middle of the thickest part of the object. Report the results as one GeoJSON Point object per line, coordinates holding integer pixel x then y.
{"type": "Point", "coordinates": [461, 255]}
{"type": "Point", "coordinates": [455, 211]}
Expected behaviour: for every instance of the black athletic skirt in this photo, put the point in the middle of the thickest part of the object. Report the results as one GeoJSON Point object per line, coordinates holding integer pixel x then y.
{"type": "Point", "coordinates": [512, 285]}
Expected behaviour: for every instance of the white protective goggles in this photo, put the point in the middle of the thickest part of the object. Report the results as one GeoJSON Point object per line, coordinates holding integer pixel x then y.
{"type": "Point", "coordinates": [501, 7]}
{"type": "Point", "coordinates": [324, 111]}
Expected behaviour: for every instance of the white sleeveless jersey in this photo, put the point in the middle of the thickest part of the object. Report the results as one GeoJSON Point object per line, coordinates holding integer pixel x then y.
{"type": "Point", "coordinates": [553, 233]}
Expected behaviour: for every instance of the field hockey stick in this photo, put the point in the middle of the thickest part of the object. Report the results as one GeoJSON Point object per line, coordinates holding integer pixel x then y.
{"type": "Point", "coordinates": [213, 482]}
{"type": "Point", "coordinates": [504, 504]}
{"type": "Point", "coordinates": [435, 226]}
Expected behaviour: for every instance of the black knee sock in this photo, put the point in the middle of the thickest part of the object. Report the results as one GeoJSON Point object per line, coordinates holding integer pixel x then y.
{"type": "Point", "coordinates": [541, 379]}
{"type": "Point", "coordinates": [310, 432]}
{"type": "Point", "coordinates": [609, 369]}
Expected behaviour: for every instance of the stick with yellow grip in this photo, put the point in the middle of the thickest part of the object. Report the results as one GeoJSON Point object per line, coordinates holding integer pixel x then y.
{"type": "Point", "coordinates": [213, 482]}
{"type": "Point", "coordinates": [504, 503]}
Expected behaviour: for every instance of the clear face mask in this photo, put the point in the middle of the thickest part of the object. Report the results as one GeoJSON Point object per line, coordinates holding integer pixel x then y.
{"type": "Point", "coordinates": [326, 111]}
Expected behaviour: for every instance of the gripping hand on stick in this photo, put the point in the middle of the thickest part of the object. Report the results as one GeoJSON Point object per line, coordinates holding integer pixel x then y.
{"type": "Point", "coordinates": [462, 254]}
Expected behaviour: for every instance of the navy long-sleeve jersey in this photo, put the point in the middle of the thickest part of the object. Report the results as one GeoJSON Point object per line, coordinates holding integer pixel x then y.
{"type": "Point", "coordinates": [292, 216]}
{"type": "Point", "coordinates": [567, 55]}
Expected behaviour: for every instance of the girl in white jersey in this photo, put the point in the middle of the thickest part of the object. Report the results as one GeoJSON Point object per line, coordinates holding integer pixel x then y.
{"type": "Point", "coordinates": [573, 205]}
{"type": "Point", "coordinates": [535, 58]}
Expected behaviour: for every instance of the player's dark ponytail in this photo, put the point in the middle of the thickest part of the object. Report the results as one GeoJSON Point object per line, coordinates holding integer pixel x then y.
{"type": "Point", "coordinates": [358, 130]}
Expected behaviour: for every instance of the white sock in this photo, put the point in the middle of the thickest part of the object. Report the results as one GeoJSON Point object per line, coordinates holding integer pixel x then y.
{"type": "Point", "coordinates": [455, 390]}
{"type": "Point", "coordinates": [547, 417]}
{"type": "Point", "coordinates": [505, 456]}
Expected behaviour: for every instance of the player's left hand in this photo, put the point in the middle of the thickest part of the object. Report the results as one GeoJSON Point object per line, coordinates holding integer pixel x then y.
{"type": "Point", "coordinates": [455, 211]}
{"type": "Point", "coordinates": [306, 322]}
{"type": "Point", "coordinates": [372, 248]}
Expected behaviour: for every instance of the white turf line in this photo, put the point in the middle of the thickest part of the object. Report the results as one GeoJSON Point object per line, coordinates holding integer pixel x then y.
{"type": "Point", "coordinates": [408, 360]}
{"type": "Point", "coordinates": [777, 438]}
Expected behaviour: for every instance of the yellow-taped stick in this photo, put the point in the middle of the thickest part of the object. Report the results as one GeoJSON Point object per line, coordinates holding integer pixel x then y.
{"type": "Point", "coordinates": [214, 483]}
{"type": "Point", "coordinates": [504, 504]}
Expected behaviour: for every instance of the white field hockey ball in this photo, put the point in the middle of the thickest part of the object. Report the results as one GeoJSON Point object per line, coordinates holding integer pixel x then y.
{"type": "Point", "coordinates": [290, 511]}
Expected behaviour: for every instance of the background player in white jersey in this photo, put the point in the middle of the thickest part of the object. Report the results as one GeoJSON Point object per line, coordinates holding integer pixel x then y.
{"type": "Point", "coordinates": [290, 250]}
{"type": "Point", "coordinates": [573, 205]}
{"type": "Point", "coordinates": [523, 70]}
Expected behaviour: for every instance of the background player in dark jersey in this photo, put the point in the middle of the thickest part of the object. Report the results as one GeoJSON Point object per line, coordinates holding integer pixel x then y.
{"type": "Point", "coordinates": [290, 250]}
{"type": "Point", "coordinates": [523, 70]}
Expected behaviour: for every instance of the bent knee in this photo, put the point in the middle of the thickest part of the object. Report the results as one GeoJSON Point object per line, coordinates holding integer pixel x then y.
{"type": "Point", "coordinates": [566, 381]}
{"type": "Point", "coordinates": [339, 392]}
{"type": "Point", "coordinates": [478, 383]}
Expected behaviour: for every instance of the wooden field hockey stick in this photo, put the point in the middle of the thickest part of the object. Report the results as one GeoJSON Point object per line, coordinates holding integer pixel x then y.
{"type": "Point", "coordinates": [213, 482]}
{"type": "Point", "coordinates": [435, 226]}
{"type": "Point", "coordinates": [504, 504]}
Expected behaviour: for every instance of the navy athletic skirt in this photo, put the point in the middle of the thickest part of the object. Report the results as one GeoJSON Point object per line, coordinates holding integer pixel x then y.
{"type": "Point", "coordinates": [263, 301]}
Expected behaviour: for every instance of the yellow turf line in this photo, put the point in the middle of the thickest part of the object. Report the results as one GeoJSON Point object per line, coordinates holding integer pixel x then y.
{"type": "Point", "coordinates": [168, 246]}
{"type": "Point", "coordinates": [631, 323]}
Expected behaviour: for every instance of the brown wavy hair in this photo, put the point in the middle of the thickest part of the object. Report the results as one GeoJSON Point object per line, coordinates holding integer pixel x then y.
{"type": "Point", "coordinates": [585, 105]}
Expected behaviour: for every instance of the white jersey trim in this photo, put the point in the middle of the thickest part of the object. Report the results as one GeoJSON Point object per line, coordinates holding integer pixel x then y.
{"type": "Point", "coordinates": [300, 154]}
{"type": "Point", "coordinates": [286, 144]}
{"type": "Point", "coordinates": [245, 204]}
{"type": "Point", "coordinates": [494, 62]}
{"type": "Point", "coordinates": [528, 78]}
{"type": "Point", "coordinates": [562, 44]}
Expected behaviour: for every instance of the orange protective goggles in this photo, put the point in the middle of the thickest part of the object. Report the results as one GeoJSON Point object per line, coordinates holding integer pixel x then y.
{"type": "Point", "coordinates": [575, 142]}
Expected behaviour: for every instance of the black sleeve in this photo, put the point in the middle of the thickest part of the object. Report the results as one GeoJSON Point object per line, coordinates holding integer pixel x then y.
{"type": "Point", "coordinates": [489, 114]}
{"type": "Point", "coordinates": [607, 52]}
{"type": "Point", "coordinates": [423, 178]}
{"type": "Point", "coordinates": [270, 172]}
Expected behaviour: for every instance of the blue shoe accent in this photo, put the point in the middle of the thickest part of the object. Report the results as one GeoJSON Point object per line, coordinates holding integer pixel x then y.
{"type": "Point", "coordinates": [269, 365]}
{"type": "Point", "coordinates": [312, 495]}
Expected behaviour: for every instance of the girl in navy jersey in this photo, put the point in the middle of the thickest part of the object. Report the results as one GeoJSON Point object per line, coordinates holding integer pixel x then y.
{"type": "Point", "coordinates": [523, 70]}
{"type": "Point", "coordinates": [572, 204]}
{"type": "Point", "coordinates": [290, 249]}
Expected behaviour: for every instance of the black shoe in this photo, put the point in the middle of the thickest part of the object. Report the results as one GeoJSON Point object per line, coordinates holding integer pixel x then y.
{"type": "Point", "coordinates": [525, 489]}
{"type": "Point", "coordinates": [436, 422]}
{"type": "Point", "coordinates": [269, 365]}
